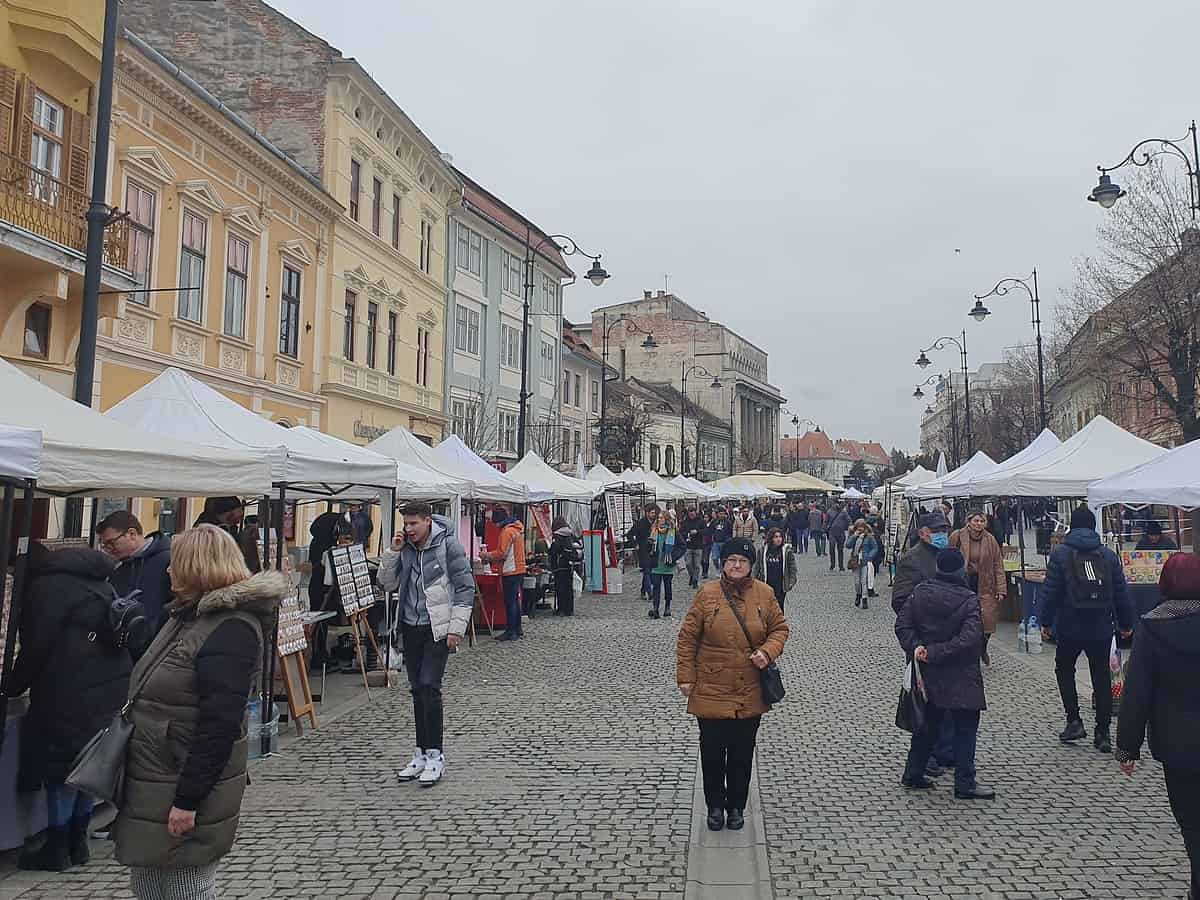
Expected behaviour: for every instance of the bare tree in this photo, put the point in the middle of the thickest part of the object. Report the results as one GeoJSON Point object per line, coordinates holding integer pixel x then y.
{"type": "Point", "coordinates": [1007, 418]}
{"type": "Point", "coordinates": [545, 437]}
{"type": "Point", "coordinates": [1137, 302]}
{"type": "Point", "coordinates": [756, 453]}
{"type": "Point", "coordinates": [479, 426]}
{"type": "Point", "coordinates": [626, 425]}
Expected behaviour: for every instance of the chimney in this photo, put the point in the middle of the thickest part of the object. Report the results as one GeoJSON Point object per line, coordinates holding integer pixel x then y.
{"type": "Point", "coordinates": [646, 295]}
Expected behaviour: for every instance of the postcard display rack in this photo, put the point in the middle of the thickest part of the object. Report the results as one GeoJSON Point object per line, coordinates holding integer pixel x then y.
{"type": "Point", "coordinates": [354, 584]}
{"type": "Point", "coordinates": [293, 667]}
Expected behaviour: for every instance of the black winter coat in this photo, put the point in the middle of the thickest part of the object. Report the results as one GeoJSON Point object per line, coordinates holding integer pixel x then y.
{"type": "Point", "coordinates": [639, 536]}
{"type": "Point", "coordinates": [943, 616]}
{"type": "Point", "coordinates": [918, 564]}
{"type": "Point", "coordinates": [692, 532]}
{"type": "Point", "coordinates": [76, 682]}
{"type": "Point", "coordinates": [1160, 688]}
{"type": "Point", "coordinates": [147, 572]}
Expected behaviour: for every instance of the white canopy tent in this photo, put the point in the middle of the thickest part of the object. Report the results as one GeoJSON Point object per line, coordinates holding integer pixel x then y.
{"type": "Point", "coordinates": [913, 478]}
{"type": "Point", "coordinates": [853, 494]}
{"type": "Point", "coordinates": [412, 482]}
{"type": "Point", "coordinates": [1172, 479]}
{"type": "Point", "coordinates": [601, 474]}
{"type": "Point", "coordinates": [701, 490]}
{"type": "Point", "coordinates": [979, 464]}
{"type": "Point", "coordinates": [1099, 450]}
{"type": "Point", "coordinates": [942, 468]}
{"type": "Point", "coordinates": [175, 405]}
{"type": "Point", "coordinates": [737, 488]}
{"type": "Point", "coordinates": [486, 483]}
{"type": "Point", "coordinates": [662, 488]}
{"type": "Point", "coordinates": [86, 453]}
{"type": "Point", "coordinates": [20, 452]}
{"type": "Point", "coordinates": [545, 483]}
{"type": "Point", "coordinates": [970, 486]}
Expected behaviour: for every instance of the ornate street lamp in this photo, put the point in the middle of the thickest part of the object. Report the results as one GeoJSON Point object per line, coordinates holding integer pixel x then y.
{"type": "Point", "coordinates": [924, 362]}
{"type": "Point", "coordinates": [1107, 192]}
{"type": "Point", "coordinates": [1030, 287]}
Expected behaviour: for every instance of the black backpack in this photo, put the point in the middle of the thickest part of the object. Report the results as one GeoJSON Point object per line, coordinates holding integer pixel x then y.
{"type": "Point", "coordinates": [1089, 581]}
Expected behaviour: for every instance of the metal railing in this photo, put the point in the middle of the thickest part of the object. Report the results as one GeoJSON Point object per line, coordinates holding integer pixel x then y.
{"type": "Point", "coordinates": [34, 200]}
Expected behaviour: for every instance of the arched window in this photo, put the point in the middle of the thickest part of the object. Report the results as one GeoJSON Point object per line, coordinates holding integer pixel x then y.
{"type": "Point", "coordinates": [670, 458]}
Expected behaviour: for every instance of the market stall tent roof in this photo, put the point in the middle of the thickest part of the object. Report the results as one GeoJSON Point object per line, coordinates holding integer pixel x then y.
{"type": "Point", "coordinates": [177, 406]}
{"type": "Point", "coordinates": [406, 448]}
{"type": "Point", "coordinates": [487, 483]}
{"type": "Point", "coordinates": [1043, 443]}
{"type": "Point", "coordinates": [20, 452]}
{"type": "Point", "coordinates": [738, 487]}
{"type": "Point", "coordinates": [601, 474]}
{"type": "Point", "coordinates": [913, 478]}
{"type": "Point", "coordinates": [545, 483]}
{"type": "Point", "coordinates": [660, 485]}
{"type": "Point", "coordinates": [851, 493]}
{"type": "Point", "coordinates": [979, 464]}
{"type": "Point", "coordinates": [1172, 479]}
{"type": "Point", "coordinates": [412, 482]}
{"type": "Point", "coordinates": [792, 481]}
{"type": "Point", "coordinates": [84, 452]}
{"type": "Point", "coordinates": [1099, 450]}
{"type": "Point", "coordinates": [701, 490]}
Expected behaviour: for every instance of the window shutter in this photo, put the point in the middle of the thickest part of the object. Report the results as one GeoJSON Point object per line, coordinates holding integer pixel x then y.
{"type": "Point", "coordinates": [24, 146]}
{"type": "Point", "coordinates": [8, 108]}
{"type": "Point", "coordinates": [78, 134]}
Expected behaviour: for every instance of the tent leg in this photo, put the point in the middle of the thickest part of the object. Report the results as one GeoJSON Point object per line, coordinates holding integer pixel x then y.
{"type": "Point", "coordinates": [270, 642]}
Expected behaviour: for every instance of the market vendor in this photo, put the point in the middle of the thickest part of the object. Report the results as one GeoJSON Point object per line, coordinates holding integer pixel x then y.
{"type": "Point", "coordinates": [1154, 539]}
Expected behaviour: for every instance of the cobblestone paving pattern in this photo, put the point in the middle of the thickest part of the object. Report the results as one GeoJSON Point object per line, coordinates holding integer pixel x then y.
{"type": "Point", "coordinates": [1066, 823]}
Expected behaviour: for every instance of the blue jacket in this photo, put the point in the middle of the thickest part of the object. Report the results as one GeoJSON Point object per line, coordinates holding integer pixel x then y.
{"type": "Point", "coordinates": [1074, 624]}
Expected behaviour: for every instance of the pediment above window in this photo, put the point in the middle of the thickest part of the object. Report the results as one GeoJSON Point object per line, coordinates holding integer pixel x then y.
{"type": "Point", "coordinates": [297, 251]}
{"type": "Point", "coordinates": [201, 193]}
{"type": "Point", "coordinates": [245, 218]}
{"type": "Point", "coordinates": [149, 164]}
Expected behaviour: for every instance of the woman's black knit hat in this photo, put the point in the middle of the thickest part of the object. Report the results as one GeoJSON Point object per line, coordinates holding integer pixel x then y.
{"type": "Point", "coordinates": [738, 547]}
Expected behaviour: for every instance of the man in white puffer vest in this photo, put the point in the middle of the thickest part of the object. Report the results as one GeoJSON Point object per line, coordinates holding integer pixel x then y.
{"type": "Point", "coordinates": [429, 570]}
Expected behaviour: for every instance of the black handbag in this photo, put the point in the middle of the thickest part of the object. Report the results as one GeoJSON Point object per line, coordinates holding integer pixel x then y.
{"type": "Point", "coordinates": [770, 677]}
{"type": "Point", "coordinates": [910, 708]}
{"type": "Point", "coordinates": [99, 769]}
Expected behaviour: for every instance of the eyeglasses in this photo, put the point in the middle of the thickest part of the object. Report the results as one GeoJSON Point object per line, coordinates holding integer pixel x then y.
{"type": "Point", "coordinates": [112, 541]}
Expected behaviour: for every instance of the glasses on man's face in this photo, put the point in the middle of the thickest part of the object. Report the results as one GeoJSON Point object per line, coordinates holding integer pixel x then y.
{"type": "Point", "coordinates": [737, 561]}
{"type": "Point", "coordinates": [110, 543]}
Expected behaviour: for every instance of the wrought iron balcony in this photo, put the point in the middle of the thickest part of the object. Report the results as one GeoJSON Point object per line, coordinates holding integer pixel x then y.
{"type": "Point", "coordinates": [33, 200]}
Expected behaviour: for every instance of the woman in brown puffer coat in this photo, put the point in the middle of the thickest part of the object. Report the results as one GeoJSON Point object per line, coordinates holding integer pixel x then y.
{"type": "Point", "coordinates": [718, 671]}
{"type": "Point", "coordinates": [985, 571]}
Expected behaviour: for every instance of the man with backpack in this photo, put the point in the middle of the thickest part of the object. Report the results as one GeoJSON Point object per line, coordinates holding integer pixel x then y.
{"type": "Point", "coordinates": [1084, 594]}
{"type": "Point", "coordinates": [142, 561]}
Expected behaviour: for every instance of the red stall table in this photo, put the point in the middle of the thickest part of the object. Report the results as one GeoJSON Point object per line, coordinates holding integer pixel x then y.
{"type": "Point", "coordinates": [489, 611]}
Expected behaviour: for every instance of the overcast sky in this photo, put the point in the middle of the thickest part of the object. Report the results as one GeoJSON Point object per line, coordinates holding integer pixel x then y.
{"type": "Point", "coordinates": [804, 172]}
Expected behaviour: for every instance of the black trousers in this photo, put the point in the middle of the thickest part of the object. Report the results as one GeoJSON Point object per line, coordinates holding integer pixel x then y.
{"type": "Point", "coordinates": [726, 755]}
{"type": "Point", "coordinates": [837, 545]}
{"type": "Point", "coordinates": [564, 589]}
{"type": "Point", "coordinates": [1065, 656]}
{"type": "Point", "coordinates": [425, 661]}
{"type": "Point", "coordinates": [1183, 790]}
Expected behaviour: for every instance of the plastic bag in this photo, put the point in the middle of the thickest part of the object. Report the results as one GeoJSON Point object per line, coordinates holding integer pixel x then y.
{"type": "Point", "coordinates": [577, 583]}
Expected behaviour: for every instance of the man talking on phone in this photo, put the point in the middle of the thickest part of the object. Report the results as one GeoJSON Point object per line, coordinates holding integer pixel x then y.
{"type": "Point", "coordinates": [428, 568]}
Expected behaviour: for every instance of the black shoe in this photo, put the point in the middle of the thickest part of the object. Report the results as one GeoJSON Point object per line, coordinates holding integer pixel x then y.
{"type": "Point", "coordinates": [734, 820]}
{"type": "Point", "coordinates": [1102, 741]}
{"type": "Point", "coordinates": [654, 614]}
{"type": "Point", "coordinates": [917, 784]}
{"type": "Point", "coordinates": [864, 606]}
{"type": "Point", "coordinates": [78, 841]}
{"type": "Point", "coordinates": [858, 601]}
{"type": "Point", "coordinates": [933, 770]}
{"type": "Point", "coordinates": [985, 657]}
{"type": "Point", "coordinates": [667, 612]}
{"type": "Point", "coordinates": [872, 594]}
{"type": "Point", "coordinates": [716, 819]}
{"type": "Point", "coordinates": [1073, 732]}
{"type": "Point", "coordinates": [975, 792]}
{"type": "Point", "coordinates": [53, 855]}
{"type": "Point", "coordinates": [506, 637]}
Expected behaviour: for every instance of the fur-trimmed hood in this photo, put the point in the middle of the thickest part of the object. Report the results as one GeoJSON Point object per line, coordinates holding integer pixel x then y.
{"type": "Point", "coordinates": [259, 595]}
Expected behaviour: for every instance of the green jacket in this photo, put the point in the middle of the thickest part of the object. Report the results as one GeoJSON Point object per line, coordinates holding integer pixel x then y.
{"type": "Point", "coordinates": [164, 717]}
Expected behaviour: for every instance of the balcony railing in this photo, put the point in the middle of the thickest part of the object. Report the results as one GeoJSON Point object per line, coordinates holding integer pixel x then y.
{"type": "Point", "coordinates": [33, 200]}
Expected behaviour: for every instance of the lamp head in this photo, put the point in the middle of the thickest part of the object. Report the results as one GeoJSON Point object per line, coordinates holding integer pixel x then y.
{"type": "Point", "coordinates": [918, 393]}
{"type": "Point", "coordinates": [1105, 192]}
{"type": "Point", "coordinates": [795, 421]}
{"type": "Point", "coordinates": [649, 343]}
{"type": "Point", "coordinates": [716, 383]}
{"type": "Point", "coordinates": [979, 312]}
{"type": "Point", "coordinates": [923, 361]}
{"type": "Point", "coordinates": [596, 274]}
{"type": "Point", "coordinates": [929, 409]}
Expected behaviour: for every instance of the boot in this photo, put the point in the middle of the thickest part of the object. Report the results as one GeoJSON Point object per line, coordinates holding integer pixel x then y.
{"type": "Point", "coordinates": [864, 603]}
{"type": "Point", "coordinates": [985, 656]}
{"type": "Point", "coordinates": [1102, 741]}
{"type": "Point", "coordinates": [1073, 732]}
{"type": "Point", "coordinates": [716, 819]}
{"type": "Point", "coordinates": [53, 856]}
{"type": "Point", "coordinates": [79, 850]}
{"type": "Point", "coordinates": [735, 820]}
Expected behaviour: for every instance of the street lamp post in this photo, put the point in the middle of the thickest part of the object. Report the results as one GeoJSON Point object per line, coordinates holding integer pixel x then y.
{"type": "Point", "coordinates": [684, 372]}
{"type": "Point", "coordinates": [631, 327]}
{"type": "Point", "coordinates": [924, 362]}
{"type": "Point", "coordinates": [596, 275]}
{"type": "Point", "coordinates": [980, 312]}
{"type": "Point", "coordinates": [796, 423]}
{"type": "Point", "coordinates": [919, 394]}
{"type": "Point", "coordinates": [1106, 192]}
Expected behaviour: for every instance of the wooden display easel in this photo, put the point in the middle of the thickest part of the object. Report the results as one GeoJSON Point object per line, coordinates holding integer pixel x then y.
{"type": "Point", "coordinates": [359, 623]}
{"type": "Point", "coordinates": [294, 671]}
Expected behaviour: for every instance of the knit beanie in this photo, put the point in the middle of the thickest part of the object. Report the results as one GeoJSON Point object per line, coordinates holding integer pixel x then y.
{"type": "Point", "coordinates": [950, 561]}
{"type": "Point", "coordinates": [1083, 518]}
{"type": "Point", "coordinates": [738, 547]}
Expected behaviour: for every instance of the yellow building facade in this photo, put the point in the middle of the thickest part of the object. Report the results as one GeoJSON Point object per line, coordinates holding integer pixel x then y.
{"type": "Point", "coordinates": [49, 64]}
{"type": "Point", "coordinates": [385, 360]}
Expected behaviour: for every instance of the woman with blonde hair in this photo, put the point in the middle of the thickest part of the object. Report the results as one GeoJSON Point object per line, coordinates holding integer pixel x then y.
{"type": "Point", "coordinates": [666, 551]}
{"type": "Point", "coordinates": [186, 763]}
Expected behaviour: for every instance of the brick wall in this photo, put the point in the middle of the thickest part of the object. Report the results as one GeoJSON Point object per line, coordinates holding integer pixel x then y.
{"type": "Point", "coordinates": [262, 65]}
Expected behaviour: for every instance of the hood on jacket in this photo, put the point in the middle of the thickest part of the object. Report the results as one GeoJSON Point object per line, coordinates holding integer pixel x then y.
{"type": "Point", "coordinates": [517, 524]}
{"type": "Point", "coordinates": [156, 543]}
{"type": "Point", "coordinates": [259, 595]}
{"type": "Point", "coordinates": [1084, 539]}
{"type": "Point", "coordinates": [565, 531]}
{"type": "Point", "coordinates": [83, 562]}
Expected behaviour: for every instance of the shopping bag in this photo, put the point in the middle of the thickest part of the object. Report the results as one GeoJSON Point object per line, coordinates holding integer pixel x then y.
{"type": "Point", "coordinates": [910, 708]}
{"type": "Point", "coordinates": [577, 583]}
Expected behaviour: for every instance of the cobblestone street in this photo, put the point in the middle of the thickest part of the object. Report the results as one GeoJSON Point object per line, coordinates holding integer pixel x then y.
{"type": "Point", "coordinates": [571, 768]}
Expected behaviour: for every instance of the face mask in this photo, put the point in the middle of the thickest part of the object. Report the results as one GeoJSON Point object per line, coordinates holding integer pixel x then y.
{"type": "Point", "coordinates": [940, 539]}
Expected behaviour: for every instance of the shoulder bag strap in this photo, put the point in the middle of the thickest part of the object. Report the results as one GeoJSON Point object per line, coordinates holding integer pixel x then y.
{"type": "Point", "coordinates": [741, 621]}
{"type": "Point", "coordinates": [177, 625]}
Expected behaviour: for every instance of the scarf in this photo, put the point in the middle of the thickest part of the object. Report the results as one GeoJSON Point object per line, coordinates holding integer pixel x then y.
{"type": "Point", "coordinates": [733, 590]}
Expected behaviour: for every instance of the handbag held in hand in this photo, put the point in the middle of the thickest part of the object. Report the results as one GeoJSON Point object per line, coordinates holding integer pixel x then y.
{"type": "Point", "coordinates": [910, 708]}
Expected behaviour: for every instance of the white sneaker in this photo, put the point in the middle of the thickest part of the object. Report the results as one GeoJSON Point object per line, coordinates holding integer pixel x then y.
{"type": "Point", "coordinates": [414, 768]}
{"type": "Point", "coordinates": [435, 764]}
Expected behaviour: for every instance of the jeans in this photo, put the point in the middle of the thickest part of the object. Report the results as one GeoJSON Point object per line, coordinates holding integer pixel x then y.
{"type": "Point", "coordinates": [726, 758]}
{"type": "Point", "coordinates": [966, 731]}
{"type": "Point", "coordinates": [425, 661]}
{"type": "Point", "coordinates": [819, 540]}
{"type": "Point", "coordinates": [693, 564]}
{"type": "Point", "coordinates": [864, 579]}
{"type": "Point", "coordinates": [716, 554]}
{"type": "Point", "coordinates": [705, 557]}
{"type": "Point", "coordinates": [837, 545]}
{"type": "Point", "coordinates": [512, 604]}
{"type": "Point", "coordinates": [1065, 656]}
{"type": "Point", "coordinates": [646, 582]}
{"type": "Point", "coordinates": [660, 584]}
{"type": "Point", "coordinates": [65, 803]}
{"type": "Point", "coordinates": [1183, 790]}
{"type": "Point", "coordinates": [800, 540]}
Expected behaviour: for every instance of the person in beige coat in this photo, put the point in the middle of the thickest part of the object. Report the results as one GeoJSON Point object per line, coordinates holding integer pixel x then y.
{"type": "Point", "coordinates": [718, 671]}
{"type": "Point", "coordinates": [985, 571]}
